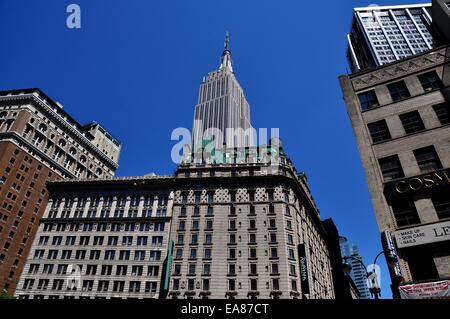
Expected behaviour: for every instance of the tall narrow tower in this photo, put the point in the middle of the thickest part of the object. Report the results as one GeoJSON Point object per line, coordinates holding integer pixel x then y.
{"type": "Point", "coordinates": [222, 114]}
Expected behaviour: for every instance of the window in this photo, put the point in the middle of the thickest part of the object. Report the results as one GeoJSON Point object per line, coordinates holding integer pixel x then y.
{"type": "Point", "coordinates": [206, 269]}
{"type": "Point", "coordinates": [177, 269]}
{"type": "Point", "coordinates": [207, 253]}
{"type": "Point", "coordinates": [368, 100]}
{"type": "Point", "coordinates": [176, 284]}
{"type": "Point", "coordinates": [191, 269]}
{"type": "Point", "coordinates": [157, 241]}
{"type": "Point", "coordinates": [208, 238]}
{"type": "Point", "coordinates": [405, 213]}
{"type": "Point", "coordinates": [391, 168]}
{"type": "Point", "coordinates": [274, 269]}
{"type": "Point", "coordinates": [118, 286]}
{"type": "Point", "coordinates": [253, 269]}
{"type": "Point", "coordinates": [153, 271]}
{"type": "Point", "coordinates": [398, 91]}
{"type": "Point", "coordinates": [427, 159]}
{"type": "Point", "coordinates": [441, 202]}
{"type": "Point", "coordinates": [412, 122]}
{"type": "Point", "coordinates": [442, 112]}
{"type": "Point", "coordinates": [253, 284]}
{"type": "Point", "coordinates": [103, 285]}
{"type": "Point", "coordinates": [231, 269]}
{"type": "Point", "coordinates": [275, 284]}
{"type": "Point", "coordinates": [205, 284]}
{"type": "Point", "coordinates": [151, 286]}
{"type": "Point", "coordinates": [430, 81]}
{"type": "Point", "coordinates": [155, 255]}
{"type": "Point", "coordinates": [191, 284]}
{"type": "Point", "coordinates": [231, 284]}
{"type": "Point", "coordinates": [379, 131]}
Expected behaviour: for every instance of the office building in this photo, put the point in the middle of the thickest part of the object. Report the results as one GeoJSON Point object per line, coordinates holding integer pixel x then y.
{"type": "Point", "coordinates": [441, 20]}
{"type": "Point", "coordinates": [350, 255]}
{"type": "Point", "coordinates": [400, 115]}
{"type": "Point", "coordinates": [244, 222]}
{"type": "Point", "coordinates": [101, 239]}
{"type": "Point", "coordinates": [39, 141]}
{"type": "Point", "coordinates": [343, 284]}
{"type": "Point", "coordinates": [383, 34]}
{"type": "Point", "coordinates": [222, 115]}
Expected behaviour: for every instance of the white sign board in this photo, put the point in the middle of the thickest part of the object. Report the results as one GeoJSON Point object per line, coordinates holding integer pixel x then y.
{"type": "Point", "coordinates": [422, 235]}
{"type": "Point", "coordinates": [429, 290]}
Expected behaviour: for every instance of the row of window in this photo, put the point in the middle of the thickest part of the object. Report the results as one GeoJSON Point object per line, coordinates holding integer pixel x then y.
{"type": "Point", "coordinates": [399, 91]}
{"type": "Point", "coordinates": [405, 211]}
{"type": "Point", "coordinates": [92, 270]}
{"type": "Point", "coordinates": [232, 285]}
{"type": "Point", "coordinates": [233, 196]}
{"type": "Point", "coordinates": [88, 285]}
{"type": "Point", "coordinates": [100, 240]}
{"type": "Point", "coordinates": [103, 227]}
{"type": "Point", "coordinates": [411, 121]}
{"type": "Point", "coordinates": [426, 157]}
{"type": "Point", "coordinates": [95, 254]}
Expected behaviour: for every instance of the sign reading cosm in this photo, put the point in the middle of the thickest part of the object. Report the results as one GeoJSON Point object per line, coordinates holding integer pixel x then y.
{"type": "Point", "coordinates": [421, 182]}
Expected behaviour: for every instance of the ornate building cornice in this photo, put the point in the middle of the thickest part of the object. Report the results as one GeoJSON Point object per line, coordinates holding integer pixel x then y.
{"type": "Point", "coordinates": [399, 69]}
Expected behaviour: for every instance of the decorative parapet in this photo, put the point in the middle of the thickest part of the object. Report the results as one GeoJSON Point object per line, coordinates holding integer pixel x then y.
{"type": "Point", "coordinates": [398, 69]}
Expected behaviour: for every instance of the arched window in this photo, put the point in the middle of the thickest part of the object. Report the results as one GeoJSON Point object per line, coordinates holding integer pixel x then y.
{"type": "Point", "coordinates": [72, 151]}
{"type": "Point", "coordinates": [43, 128]}
{"type": "Point", "coordinates": [62, 143]}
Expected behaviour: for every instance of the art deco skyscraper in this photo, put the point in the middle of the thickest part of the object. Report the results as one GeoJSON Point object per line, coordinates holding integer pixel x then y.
{"type": "Point", "coordinates": [222, 112]}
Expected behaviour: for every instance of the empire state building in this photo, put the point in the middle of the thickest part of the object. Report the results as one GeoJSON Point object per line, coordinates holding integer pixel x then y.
{"type": "Point", "coordinates": [222, 114]}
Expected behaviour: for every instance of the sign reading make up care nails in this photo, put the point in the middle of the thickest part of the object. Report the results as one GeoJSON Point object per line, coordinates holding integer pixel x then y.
{"type": "Point", "coordinates": [423, 235]}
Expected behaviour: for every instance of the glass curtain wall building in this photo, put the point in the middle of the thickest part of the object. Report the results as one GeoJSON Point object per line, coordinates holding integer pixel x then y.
{"type": "Point", "coordinates": [384, 34]}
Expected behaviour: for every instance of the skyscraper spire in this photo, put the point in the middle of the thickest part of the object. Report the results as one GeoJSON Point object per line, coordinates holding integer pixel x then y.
{"type": "Point", "coordinates": [227, 41]}
{"type": "Point", "coordinates": [225, 61]}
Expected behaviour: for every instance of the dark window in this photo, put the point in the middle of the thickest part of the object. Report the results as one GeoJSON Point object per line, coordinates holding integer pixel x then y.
{"type": "Point", "coordinates": [421, 263]}
{"type": "Point", "coordinates": [368, 100]}
{"type": "Point", "coordinates": [412, 122]}
{"type": "Point", "coordinates": [442, 112]}
{"type": "Point", "coordinates": [391, 168]}
{"type": "Point", "coordinates": [398, 91]}
{"type": "Point", "coordinates": [430, 81]}
{"type": "Point", "coordinates": [427, 159]}
{"type": "Point", "coordinates": [379, 131]}
{"type": "Point", "coordinates": [441, 202]}
{"type": "Point", "coordinates": [405, 213]}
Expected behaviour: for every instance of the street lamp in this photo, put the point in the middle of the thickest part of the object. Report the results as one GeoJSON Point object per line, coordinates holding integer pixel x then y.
{"type": "Point", "coordinates": [374, 286]}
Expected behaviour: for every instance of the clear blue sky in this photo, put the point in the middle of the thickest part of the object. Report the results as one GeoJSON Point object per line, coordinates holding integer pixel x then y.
{"type": "Point", "coordinates": [135, 67]}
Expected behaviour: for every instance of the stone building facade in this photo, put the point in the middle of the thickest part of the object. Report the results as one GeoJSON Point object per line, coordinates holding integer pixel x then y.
{"type": "Point", "coordinates": [101, 239]}
{"type": "Point", "coordinates": [400, 115]}
{"type": "Point", "coordinates": [237, 228]}
{"type": "Point", "coordinates": [39, 141]}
